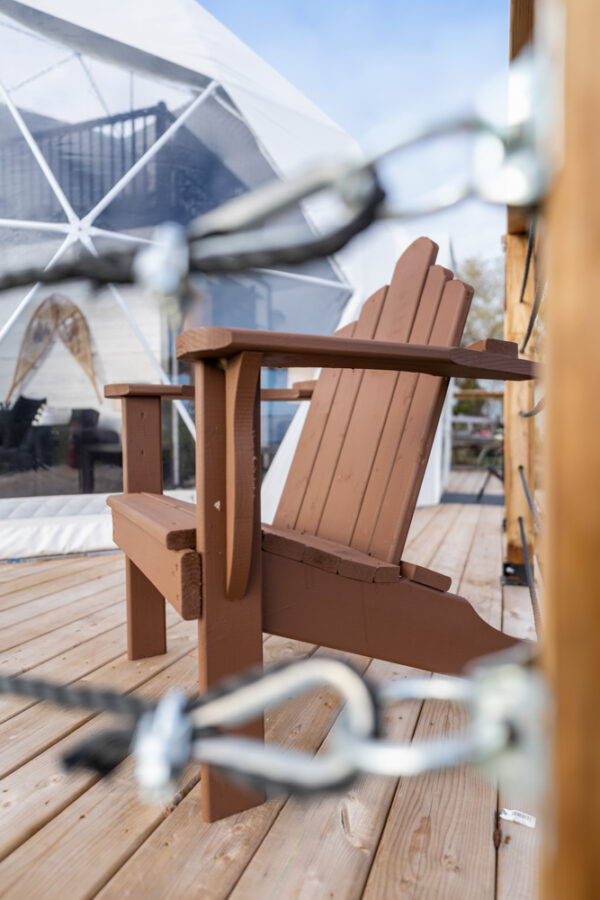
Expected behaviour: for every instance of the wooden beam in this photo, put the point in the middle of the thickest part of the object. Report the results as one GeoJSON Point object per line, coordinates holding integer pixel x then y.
{"type": "Point", "coordinates": [521, 32]}
{"type": "Point", "coordinates": [518, 397]}
{"type": "Point", "coordinates": [477, 394]}
{"type": "Point", "coordinates": [572, 614]}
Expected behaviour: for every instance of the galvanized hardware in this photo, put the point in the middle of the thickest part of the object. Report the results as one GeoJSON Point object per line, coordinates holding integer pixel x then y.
{"type": "Point", "coordinates": [506, 701]}
{"type": "Point", "coordinates": [514, 573]}
{"type": "Point", "coordinates": [507, 705]}
{"type": "Point", "coordinates": [162, 745]}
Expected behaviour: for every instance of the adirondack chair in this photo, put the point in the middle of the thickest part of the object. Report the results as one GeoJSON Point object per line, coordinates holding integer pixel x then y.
{"type": "Point", "coordinates": [330, 570]}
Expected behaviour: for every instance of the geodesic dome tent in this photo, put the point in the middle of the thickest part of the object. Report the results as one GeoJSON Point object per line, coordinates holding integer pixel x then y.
{"type": "Point", "coordinates": [115, 117]}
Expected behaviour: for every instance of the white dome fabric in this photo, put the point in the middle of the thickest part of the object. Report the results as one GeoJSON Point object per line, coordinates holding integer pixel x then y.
{"type": "Point", "coordinates": [114, 117]}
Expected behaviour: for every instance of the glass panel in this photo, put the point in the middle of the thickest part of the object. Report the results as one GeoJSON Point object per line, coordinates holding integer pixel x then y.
{"type": "Point", "coordinates": [92, 121]}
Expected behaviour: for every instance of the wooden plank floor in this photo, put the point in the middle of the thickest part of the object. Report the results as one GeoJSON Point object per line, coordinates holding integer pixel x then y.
{"type": "Point", "coordinates": [436, 836]}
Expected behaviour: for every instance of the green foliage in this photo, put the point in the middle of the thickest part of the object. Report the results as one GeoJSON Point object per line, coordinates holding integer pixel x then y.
{"type": "Point", "coordinates": [486, 316]}
{"type": "Point", "coordinates": [469, 407]}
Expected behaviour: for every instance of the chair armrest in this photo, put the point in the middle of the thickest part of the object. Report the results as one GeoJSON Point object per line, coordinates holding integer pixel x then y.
{"type": "Point", "coordinates": [168, 391]}
{"type": "Point", "coordinates": [142, 431]}
{"type": "Point", "coordinates": [281, 350]}
{"type": "Point", "coordinates": [300, 390]}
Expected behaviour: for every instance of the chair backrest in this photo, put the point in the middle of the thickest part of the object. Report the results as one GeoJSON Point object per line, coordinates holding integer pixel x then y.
{"type": "Point", "coordinates": [362, 454]}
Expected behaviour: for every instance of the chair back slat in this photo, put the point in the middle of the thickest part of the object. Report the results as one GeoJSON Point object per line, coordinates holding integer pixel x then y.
{"type": "Point", "coordinates": [398, 500]}
{"type": "Point", "coordinates": [368, 433]}
{"type": "Point", "coordinates": [316, 453]}
{"type": "Point", "coordinates": [379, 411]}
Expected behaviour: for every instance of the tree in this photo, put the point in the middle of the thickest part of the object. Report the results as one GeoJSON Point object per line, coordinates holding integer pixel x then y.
{"type": "Point", "coordinates": [485, 320]}
{"type": "Point", "coordinates": [486, 316]}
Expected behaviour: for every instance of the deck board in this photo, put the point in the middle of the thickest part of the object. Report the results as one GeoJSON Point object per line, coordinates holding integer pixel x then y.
{"type": "Point", "coordinates": [431, 837]}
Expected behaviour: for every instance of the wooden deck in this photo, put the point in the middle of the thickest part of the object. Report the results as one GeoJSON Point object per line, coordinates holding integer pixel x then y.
{"type": "Point", "coordinates": [64, 835]}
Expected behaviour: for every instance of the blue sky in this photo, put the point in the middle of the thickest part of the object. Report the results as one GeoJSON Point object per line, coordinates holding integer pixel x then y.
{"type": "Point", "coordinates": [384, 64]}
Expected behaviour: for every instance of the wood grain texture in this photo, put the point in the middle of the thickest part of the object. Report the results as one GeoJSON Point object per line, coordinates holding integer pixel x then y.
{"type": "Point", "coordinates": [393, 428]}
{"type": "Point", "coordinates": [425, 576]}
{"type": "Point", "coordinates": [111, 824]}
{"type": "Point", "coordinates": [61, 596]}
{"type": "Point", "coordinates": [26, 736]}
{"type": "Point", "coordinates": [175, 574]}
{"type": "Point", "coordinates": [506, 348]}
{"type": "Point", "coordinates": [242, 378]}
{"type": "Point", "coordinates": [59, 580]}
{"type": "Point", "coordinates": [405, 622]}
{"type": "Point", "coordinates": [229, 631]}
{"type": "Point", "coordinates": [142, 471]}
{"type": "Point", "coordinates": [519, 847]}
{"type": "Point", "coordinates": [438, 837]}
{"type": "Point", "coordinates": [17, 633]}
{"type": "Point", "coordinates": [40, 648]}
{"type": "Point", "coordinates": [142, 448]}
{"type": "Point", "coordinates": [99, 839]}
{"type": "Point", "coordinates": [519, 432]}
{"type": "Point", "coordinates": [390, 527]}
{"type": "Point", "coordinates": [300, 390]}
{"type": "Point", "coordinates": [328, 846]}
{"type": "Point", "coordinates": [408, 310]}
{"type": "Point", "coordinates": [19, 587]}
{"type": "Point", "coordinates": [327, 555]}
{"type": "Point", "coordinates": [521, 32]}
{"type": "Point", "coordinates": [330, 441]}
{"type": "Point", "coordinates": [189, 858]}
{"type": "Point", "coordinates": [282, 350]}
{"type": "Point", "coordinates": [572, 619]}
{"type": "Point", "coordinates": [169, 521]}
{"type": "Point", "coordinates": [169, 391]}
{"type": "Point", "coordinates": [309, 441]}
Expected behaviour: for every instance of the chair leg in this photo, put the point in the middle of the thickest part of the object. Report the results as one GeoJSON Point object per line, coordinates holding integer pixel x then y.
{"type": "Point", "coordinates": [219, 656]}
{"type": "Point", "coordinates": [146, 626]}
{"type": "Point", "coordinates": [229, 631]}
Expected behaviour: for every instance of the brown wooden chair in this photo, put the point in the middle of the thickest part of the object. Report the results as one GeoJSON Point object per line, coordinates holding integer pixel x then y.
{"type": "Point", "coordinates": [330, 569]}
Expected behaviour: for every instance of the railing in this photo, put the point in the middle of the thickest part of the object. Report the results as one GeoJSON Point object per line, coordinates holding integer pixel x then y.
{"type": "Point", "coordinates": [87, 159]}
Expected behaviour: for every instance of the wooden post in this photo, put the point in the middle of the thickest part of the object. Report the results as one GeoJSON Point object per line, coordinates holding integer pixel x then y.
{"type": "Point", "coordinates": [572, 613]}
{"type": "Point", "coordinates": [518, 432]}
{"type": "Point", "coordinates": [142, 471]}
{"type": "Point", "coordinates": [229, 630]}
{"type": "Point", "coordinates": [518, 397]}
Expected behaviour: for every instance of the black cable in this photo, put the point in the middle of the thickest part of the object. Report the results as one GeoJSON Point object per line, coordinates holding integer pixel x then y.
{"type": "Point", "coordinates": [530, 501]}
{"type": "Point", "coordinates": [537, 302]}
{"type": "Point", "coordinates": [539, 406]}
{"type": "Point", "coordinates": [528, 255]}
{"type": "Point", "coordinates": [537, 618]}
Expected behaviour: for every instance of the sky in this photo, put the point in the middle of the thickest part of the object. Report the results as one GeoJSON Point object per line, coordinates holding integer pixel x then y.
{"type": "Point", "coordinates": [381, 66]}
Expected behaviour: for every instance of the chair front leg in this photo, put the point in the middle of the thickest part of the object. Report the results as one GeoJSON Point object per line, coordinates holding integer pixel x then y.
{"type": "Point", "coordinates": [142, 471]}
{"type": "Point", "coordinates": [228, 536]}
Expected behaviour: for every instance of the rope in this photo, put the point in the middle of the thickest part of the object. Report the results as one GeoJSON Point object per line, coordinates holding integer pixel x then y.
{"type": "Point", "coordinates": [75, 698]}
{"type": "Point", "coordinates": [178, 729]}
{"type": "Point", "coordinates": [234, 252]}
